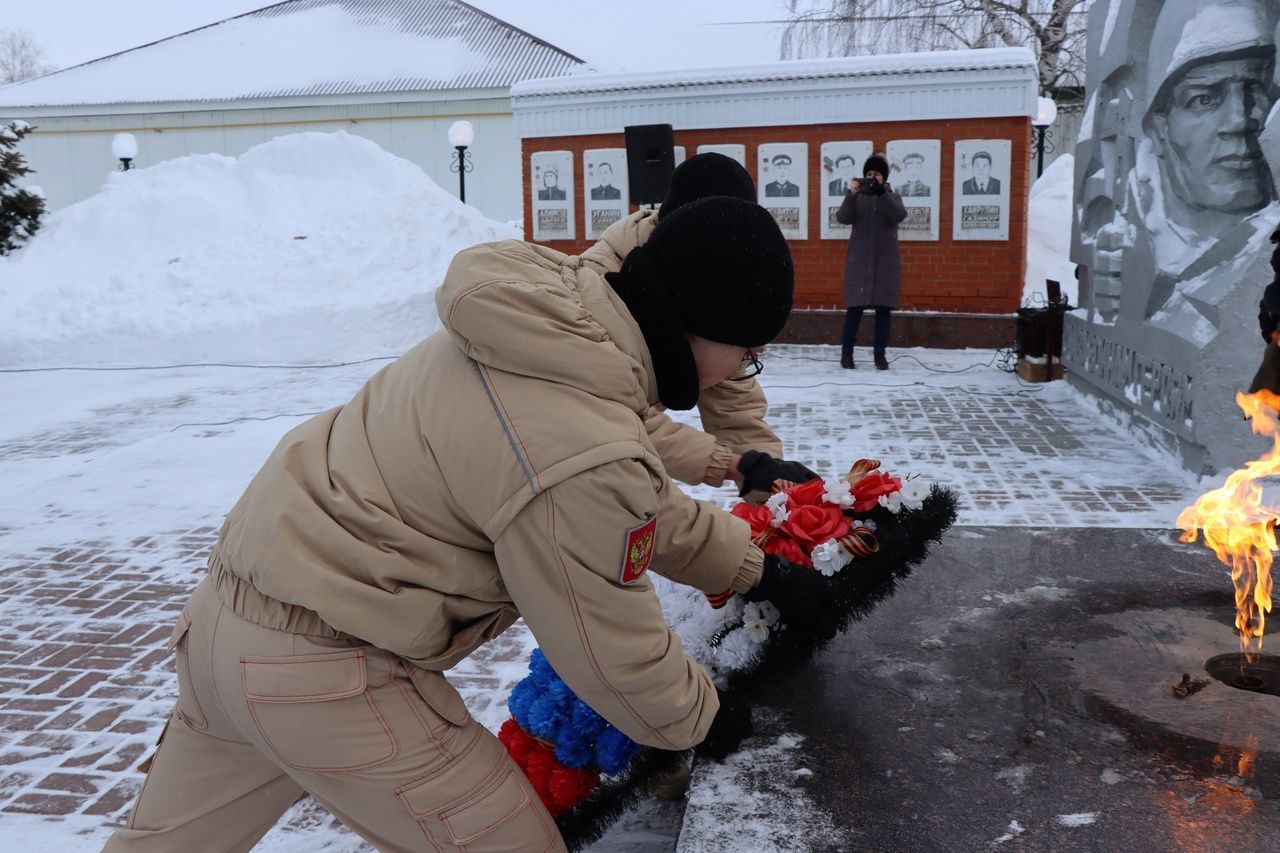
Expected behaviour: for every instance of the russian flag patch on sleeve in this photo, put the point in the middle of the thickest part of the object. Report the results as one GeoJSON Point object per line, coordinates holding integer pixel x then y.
{"type": "Point", "coordinates": [637, 552]}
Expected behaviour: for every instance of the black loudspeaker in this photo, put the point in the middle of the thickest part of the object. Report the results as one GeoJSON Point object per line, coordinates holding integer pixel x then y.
{"type": "Point", "coordinates": [1039, 331]}
{"type": "Point", "coordinates": [651, 158]}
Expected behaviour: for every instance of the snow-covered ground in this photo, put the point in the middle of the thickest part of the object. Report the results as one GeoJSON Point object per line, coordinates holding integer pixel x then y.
{"type": "Point", "coordinates": [202, 329]}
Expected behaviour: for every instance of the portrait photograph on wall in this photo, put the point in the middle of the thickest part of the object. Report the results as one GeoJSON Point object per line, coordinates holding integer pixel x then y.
{"type": "Point", "coordinates": [981, 208]}
{"type": "Point", "coordinates": [841, 163]}
{"type": "Point", "coordinates": [604, 172]}
{"type": "Point", "coordinates": [551, 173]}
{"type": "Point", "coordinates": [782, 186]}
{"type": "Point", "coordinates": [915, 167]}
{"type": "Point", "coordinates": [736, 152]}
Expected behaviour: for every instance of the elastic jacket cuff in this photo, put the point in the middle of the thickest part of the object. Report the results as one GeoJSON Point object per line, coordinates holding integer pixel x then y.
{"type": "Point", "coordinates": [718, 465]}
{"type": "Point", "coordinates": [750, 571]}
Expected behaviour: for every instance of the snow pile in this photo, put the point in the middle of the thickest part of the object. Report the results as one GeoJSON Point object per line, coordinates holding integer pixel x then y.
{"type": "Point", "coordinates": [309, 248]}
{"type": "Point", "coordinates": [1049, 233]}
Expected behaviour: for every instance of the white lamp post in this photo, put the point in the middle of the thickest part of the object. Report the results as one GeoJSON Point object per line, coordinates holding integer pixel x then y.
{"type": "Point", "coordinates": [124, 148]}
{"type": "Point", "coordinates": [461, 135]}
{"type": "Point", "coordinates": [1046, 113]}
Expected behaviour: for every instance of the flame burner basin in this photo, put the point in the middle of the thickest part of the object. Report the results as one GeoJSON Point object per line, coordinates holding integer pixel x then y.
{"type": "Point", "coordinates": [1255, 673]}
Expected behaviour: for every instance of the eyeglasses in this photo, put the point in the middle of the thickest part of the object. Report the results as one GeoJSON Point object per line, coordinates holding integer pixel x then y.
{"type": "Point", "coordinates": [751, 366]}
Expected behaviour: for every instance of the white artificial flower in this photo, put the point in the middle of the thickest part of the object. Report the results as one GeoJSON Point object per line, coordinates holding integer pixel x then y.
{"type": "Point", "coordinates": [777, 504]}
{"type": "Point", "coordinates": [891, 501]}
{"type": "Point", "coordinates": [757, 631]}
{"type": "Point", "coordinates": [837, 492]}
{"type": "Point", "coordinates": [913, 494]}
{"type": "Point", "coordinates": [761, 611]}
{"type": "Point", "coordinates": [755, 621]}
{"type": "Point", "coordinates": [867, 523]}
{"type": "Point", "coordinates": [830, 557]}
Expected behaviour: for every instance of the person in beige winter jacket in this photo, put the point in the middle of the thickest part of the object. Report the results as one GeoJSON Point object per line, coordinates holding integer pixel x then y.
{"type": "Point", "coordinates": [500, 469]}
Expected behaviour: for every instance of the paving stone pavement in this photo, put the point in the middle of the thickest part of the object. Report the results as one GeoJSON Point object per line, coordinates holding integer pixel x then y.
{"type": "Point", "coordinates": [1015, 453]}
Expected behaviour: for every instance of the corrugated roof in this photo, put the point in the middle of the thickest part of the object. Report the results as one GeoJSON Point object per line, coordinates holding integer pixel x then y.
{"type": "Point", "coordinates": [848, 67]}
{"type": "Point", "coordinates": [310, 47]}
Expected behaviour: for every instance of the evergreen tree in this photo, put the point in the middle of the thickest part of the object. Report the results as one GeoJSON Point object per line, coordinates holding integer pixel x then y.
{"type": "Point", "coordinates": [20, 209]}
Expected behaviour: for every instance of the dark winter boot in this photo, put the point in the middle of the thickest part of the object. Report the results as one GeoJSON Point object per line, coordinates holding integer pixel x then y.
{"type": "Point", "coordinates": [846, 359]}
{"type": "Point", "coordinates": [882, 363]}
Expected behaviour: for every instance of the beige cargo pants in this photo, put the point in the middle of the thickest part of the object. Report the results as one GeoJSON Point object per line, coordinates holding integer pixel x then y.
{"type": "Point", "coordinates": [264, 715]}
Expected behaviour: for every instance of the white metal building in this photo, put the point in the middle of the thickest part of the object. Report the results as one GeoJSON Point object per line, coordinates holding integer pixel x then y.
{"type": "Point", "coordinates": [951, 84]}
{"type": "Point", "coordinates": [398, 72]}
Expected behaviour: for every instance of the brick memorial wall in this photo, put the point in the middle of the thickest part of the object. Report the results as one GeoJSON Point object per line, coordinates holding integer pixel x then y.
{"type": "Point", "coordinates": [978, 283]}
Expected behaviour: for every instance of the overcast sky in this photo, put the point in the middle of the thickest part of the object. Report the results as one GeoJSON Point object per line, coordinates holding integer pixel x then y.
{"type": "Point", "coordinates": [612, 34]}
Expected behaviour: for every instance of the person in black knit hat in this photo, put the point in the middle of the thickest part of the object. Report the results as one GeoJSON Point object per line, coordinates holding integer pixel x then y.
{"type": "Point", "coordinates": [872, 266]}
{"type": "Point", "coordinates": [686, 299]}
{"type": "Point", "coordinates": [737, 444]}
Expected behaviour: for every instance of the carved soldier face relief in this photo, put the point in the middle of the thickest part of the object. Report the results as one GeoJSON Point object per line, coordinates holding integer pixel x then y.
{"type": "Point", "coordinates": [1206, 129]}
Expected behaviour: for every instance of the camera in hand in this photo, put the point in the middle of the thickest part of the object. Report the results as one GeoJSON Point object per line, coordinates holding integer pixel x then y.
{"type": "Point", "coordinates": [868, 185]}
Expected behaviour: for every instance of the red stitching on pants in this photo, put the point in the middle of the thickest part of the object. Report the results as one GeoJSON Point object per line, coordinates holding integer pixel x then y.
{"type": "Point", "coordinates": [399, 792]}
{"type": "Point", "coordinates": [395, 746]}
{"type": "Point", "coordinates": [332, 694]}
{"type": "Point", "coordinates": [524, 804]}
{"type": "Point", "coordinates": [433, 735]}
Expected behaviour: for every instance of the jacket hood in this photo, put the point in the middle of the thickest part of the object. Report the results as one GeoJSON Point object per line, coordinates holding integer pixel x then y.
{"type": "Point", "coordinates": [619, 239]}
{"type": "Point", "coordinates": [532, 311]}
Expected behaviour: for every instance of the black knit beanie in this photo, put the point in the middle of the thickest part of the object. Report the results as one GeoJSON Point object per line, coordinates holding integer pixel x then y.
{"type": "Point", "coordinates": [878, 163]}
{"type": "Point", "coordinates": [706, 175]}
{"type": "Point", "coordinates": [718, 268]}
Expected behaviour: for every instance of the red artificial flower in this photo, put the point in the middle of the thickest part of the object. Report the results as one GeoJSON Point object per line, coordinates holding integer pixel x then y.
{"type": "Point", "coordinates": [788, 549]}
{"type": "Point", "coordinates": [559, 788]}
{"type": "Point", "coordinates": [569, 787]}
{"type": "Point", "coordinates": [866, 494]}
{"type": "Point", "coordinates": [537, 768]}
{"type": "Point", "coordinates": [806, 494]}
{"type": "Point", "coordinates": [810, 526]}
{"type": "Point", "coordinates": [516, 740]}
{"type": "Point", "coordinates": [757, 516]}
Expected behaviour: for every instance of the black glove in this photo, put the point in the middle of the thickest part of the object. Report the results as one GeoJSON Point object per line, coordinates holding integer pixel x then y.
{"type": "Point", "coordinates": [802, 596]}
{"type": "Point", "coordinates": [731, 726]}
{"type": "Point", "coordinates": [877, 188]}
{"type": "Point", "coordinates": [759, 470]}
{"type": "Point", "coordinates": [1269, 310]}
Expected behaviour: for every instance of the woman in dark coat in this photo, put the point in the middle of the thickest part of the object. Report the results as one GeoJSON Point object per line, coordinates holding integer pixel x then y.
{"type": "Point", "coordinates": [872, 268]}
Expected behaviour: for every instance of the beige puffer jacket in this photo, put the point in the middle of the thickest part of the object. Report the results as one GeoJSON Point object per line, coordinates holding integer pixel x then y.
{"type": "Point", "coordinates": [501, 468]}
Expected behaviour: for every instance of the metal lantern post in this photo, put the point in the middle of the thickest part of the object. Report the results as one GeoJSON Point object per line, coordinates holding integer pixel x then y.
{"type": "Point", "coordinates": [124, 148]}
{"type": "Point", "coordinates": [1046, 113]}
{"type": "Point", "coordinates": [461, 135]}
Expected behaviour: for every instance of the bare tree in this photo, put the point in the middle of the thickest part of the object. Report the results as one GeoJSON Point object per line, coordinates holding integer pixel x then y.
{"type": "Point", "coordinates": [21, 56]}
{"type": "Point", "coordinates": [1054, 29]}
